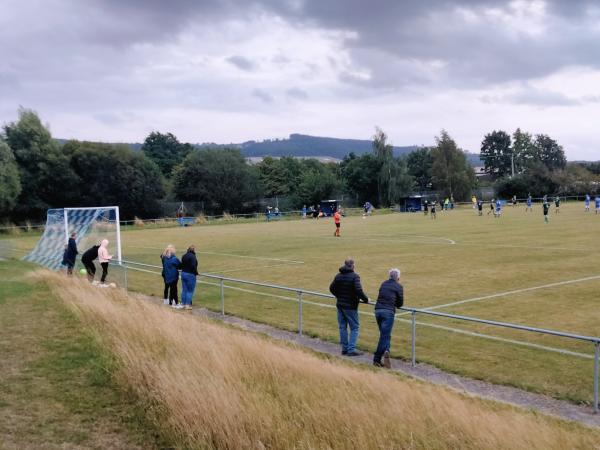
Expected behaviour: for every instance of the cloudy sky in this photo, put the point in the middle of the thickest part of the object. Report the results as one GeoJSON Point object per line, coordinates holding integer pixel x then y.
{"type": "Point", "coordinates": [233, 70]}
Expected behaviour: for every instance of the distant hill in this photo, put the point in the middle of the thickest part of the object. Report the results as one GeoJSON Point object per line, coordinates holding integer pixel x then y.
{"type": "Point", "coordinates": [302, 145]}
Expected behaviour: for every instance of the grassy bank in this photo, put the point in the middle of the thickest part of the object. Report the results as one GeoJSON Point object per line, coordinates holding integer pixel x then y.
{"type": "Point", "coordinates": [215, 387]}
{"type": "Point", "coordinates": [56, 388]}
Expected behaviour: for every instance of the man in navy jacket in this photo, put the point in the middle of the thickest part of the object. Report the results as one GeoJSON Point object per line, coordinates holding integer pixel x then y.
{"type": "Point", "coordinates": [348, 291]}
{"type": "Point", "coordinates": [391, 296]}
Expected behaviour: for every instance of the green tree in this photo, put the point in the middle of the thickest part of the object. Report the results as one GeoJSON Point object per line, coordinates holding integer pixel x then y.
{"type": "Point", "coordinates": [360, 177]}
{"type": "Point", "coordinates": [218, 177]}
{"type": "Point", "coordinates": [165, 150]}
{"type": "Point", "coordinates": [273, 177]}
{"type": "Point", "coordinates": [10, 182]}
{"type": "Point", "coordinates": [451, 172]}
{"type": "Point", "coordinates": [46, 176]}
{"type": "Point", "coordinates": [419, 164]}
{"type": "Point", "coordinates": [384, 153]}
{"type": "Point", "coordinates": [549, 152]}
{"type": "Point", "coordinates": [401, 182]}
{"type": "Point", "coordinates": [524, 150]}
{"type": "Point", "coordinates": [116, 175]}
{"type": "Point", "coordinates": [318, 182]}
{"type": "Point", "coordinates": [497, 154]}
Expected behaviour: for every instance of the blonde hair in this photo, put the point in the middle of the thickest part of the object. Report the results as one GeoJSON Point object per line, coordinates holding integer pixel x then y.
{"type": "Point", "coordinates": [169, 250]}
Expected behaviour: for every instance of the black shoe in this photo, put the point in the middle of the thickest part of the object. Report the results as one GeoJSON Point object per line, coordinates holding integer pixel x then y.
{"type": "Point", "coordinates": [354, 353]}
{"type": "Point", "coordinates": [344, 352]}
{"type": "Point", "coordinates": [377, 364]}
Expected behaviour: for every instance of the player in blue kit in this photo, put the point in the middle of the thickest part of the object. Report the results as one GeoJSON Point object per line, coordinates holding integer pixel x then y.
{"type": "Point", "coordinates": [498, 210]}
{"type": "Point", "coordinates": [597, 204]}
{"type": "Point", "coordinates": [529, 207]}
{"type": "Point", "coordinates": [587, 202]}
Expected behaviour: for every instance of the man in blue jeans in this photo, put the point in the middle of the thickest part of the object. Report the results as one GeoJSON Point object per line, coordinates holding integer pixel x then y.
{"type": "Point", "coordinates": [348, 291]}
{"type": "Point", "coordinates": [391, 296]}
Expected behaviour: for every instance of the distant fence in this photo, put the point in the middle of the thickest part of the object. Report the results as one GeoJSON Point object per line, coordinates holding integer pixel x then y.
{"type": "Point", "coordinates": [413, 312]}
{"type": "Point", "coordinates": [249, 217]}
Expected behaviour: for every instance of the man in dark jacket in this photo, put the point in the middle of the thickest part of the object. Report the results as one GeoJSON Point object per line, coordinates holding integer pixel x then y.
{"type": "Point", "coordinates": [189, 271]}
{"type": "Point", "coordinates": [348, 291]}
{"type": "Point", "coordinates": [70, 254]}
{"type": "Point", "coordinates": [391, 296]}
{"type": "Point", "coordinates": [87, 259]}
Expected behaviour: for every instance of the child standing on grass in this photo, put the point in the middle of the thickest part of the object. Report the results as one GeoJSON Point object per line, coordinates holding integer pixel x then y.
{"type": "Point", "coordinates": [529, 204]}
{"type": "Point", "coordinates": [557, 204]}
{"type": "Point", "coordinates": [104, 257]}
{"type": "Point", "coordinates": [433, 206]}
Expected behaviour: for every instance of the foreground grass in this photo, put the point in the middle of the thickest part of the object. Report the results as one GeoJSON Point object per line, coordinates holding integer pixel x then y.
{"type": "Point", "coordinates": [211, 386]}
{"type": "Point", "coordinates": [56, 389]}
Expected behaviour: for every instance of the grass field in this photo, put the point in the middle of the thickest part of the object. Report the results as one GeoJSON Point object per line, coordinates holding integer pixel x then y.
{"type": "Point", "coordinates": [460, 263]}
{"type": "Point", "coordinates": [56, 385]}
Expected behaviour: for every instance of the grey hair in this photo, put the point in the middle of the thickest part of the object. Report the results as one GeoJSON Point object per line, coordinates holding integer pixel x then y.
{"type": "Point", "coordinates": [394, 274]}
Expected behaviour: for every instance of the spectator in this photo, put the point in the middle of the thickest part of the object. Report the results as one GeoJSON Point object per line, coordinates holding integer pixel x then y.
{"type": "Point", "coordinates": [104, 258]}
{"type": "Point", "coordinates": [189, 271]}
{"type": "Point", "coordinates": [70, 254]}
{"type": "Point", "coordinates": [168, 251]}
{"type": "Point", "coordinates": [391, 296]}
{"type": "Point", "coordinates": [87, 259]}
{"type": "Point", "coordinates": [347, 290]}
{"type": "Point", "coordinates": [171, 267]}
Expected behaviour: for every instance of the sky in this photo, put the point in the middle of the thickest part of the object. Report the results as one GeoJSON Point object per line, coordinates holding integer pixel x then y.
{"type": "Point", "coordinates": [234, 70]}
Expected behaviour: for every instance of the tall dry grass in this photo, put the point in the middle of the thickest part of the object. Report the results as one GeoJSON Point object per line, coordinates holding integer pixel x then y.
{"type": "Point", "coordinates": [210, 386]}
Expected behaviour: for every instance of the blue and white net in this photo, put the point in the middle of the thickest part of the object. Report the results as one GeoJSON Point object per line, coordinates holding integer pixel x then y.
{"type": "Point", "coordinates": [90, 224]}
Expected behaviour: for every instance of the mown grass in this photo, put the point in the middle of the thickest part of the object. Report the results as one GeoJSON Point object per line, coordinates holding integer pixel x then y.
{"type": "Point", "coordinates": [489, 256]}
{"type": "Point", "coordinates": [218, 387]}
{"type": "Point", "coordinates": [57, 388]}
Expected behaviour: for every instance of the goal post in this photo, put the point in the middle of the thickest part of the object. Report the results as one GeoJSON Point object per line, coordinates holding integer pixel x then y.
{"type": "Point", "coordinates": [90, 224]}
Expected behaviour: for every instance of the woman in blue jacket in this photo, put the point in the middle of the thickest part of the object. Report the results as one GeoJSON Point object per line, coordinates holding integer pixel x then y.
{"type": "Point", "coordinates": [170, 274]}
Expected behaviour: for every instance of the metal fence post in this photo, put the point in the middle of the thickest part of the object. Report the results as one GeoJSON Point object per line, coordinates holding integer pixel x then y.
{"type": "Point", "coordinates": [300, 313]}
{"type": "Point", "coordinates": [222, 298]}
{"type": "Point", "coordinates": [596, 357]}
{"type": "Point", "coordinates": [414, 339]}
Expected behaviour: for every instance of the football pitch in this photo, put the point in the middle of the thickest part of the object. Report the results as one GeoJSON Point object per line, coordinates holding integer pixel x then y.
{"type": "Point", "coordinates": [513, 269]}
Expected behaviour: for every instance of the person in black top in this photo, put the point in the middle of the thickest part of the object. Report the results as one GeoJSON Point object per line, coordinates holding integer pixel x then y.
{"type": "Point", "coordinates": [348, 291]}
{"type": "Point", "coordinates": [70, 254]}
{"type": "Point", "coordinates": [480, 207]}
{"type": "Point", "coordinates": [189, 271]}
{"type": "Point", "coordinates": [87, 260]}
{"type": "Point", "coordinates": [391, 296]}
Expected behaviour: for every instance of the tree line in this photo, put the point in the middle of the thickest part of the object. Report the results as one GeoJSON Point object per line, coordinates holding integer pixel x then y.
{"type": "Point", "coordinates": [524, 164]}
{"type": "Point", "coordinates": [38, 173]}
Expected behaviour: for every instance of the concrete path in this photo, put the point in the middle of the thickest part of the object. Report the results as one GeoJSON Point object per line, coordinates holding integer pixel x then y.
{"type": "Point", "coordinates": [425, 372]}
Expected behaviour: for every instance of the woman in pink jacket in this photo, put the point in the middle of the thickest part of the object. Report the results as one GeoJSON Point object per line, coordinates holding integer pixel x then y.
{"type": "Point", "coordinates": [104, 258]}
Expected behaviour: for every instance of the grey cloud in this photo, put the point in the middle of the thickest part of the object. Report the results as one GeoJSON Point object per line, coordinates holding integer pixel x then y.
{"type": "Point", "coordinates": [241, 63]}
{"type": "Point", "coordinates": [528, 95]}
{"type": "Point", "coordinates": [297, 93]}
{"type": "Point", "coordinates": [263, 95]}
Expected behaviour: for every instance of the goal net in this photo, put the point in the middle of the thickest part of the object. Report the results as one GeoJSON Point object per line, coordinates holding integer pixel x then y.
{"type": "Point", "coordinates": [91, 226]}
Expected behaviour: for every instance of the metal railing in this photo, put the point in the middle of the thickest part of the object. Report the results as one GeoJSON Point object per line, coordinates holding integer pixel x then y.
{"type": "Point", "coordinates": [300, 293]}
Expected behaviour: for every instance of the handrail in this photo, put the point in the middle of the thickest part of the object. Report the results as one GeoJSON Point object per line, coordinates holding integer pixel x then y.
{"type": "Point", "coordinates": [410, 310]}
{"type": "Point", "coordinates": [506, 325]}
